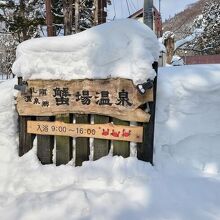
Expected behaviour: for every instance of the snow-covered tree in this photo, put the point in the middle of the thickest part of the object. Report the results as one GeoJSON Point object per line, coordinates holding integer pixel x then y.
{"type": "Point", "coordinates": [209, 22]}
{"type": "Point", "coordinates": [85, 15]}
{"type": "Point", "coordinates": [57, 12]}
{"type": "Point", "coordinates": [204, 37]}
{"type": "Point", "coordinates": [86, 19]}
{"type": "Point", "coordinates": [22, 18]}
{"type": "Point", "coordinates": [7, 53]}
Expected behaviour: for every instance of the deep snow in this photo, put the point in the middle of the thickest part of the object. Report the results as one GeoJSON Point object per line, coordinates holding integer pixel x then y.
{"type": "Point", "coordinates": [183, 185]}
{"type": "Point", "coordinates": [124, 48]}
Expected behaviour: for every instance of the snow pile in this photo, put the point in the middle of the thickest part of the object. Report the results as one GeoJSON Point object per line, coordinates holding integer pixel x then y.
{"type": "Point", "coordinates": [166, 35]}
{"type": "Point", "coordinates": [177, 61]}
{"type": "Point", "coordinates": [187, 117]}
{"type": "Point", "coordinates": [123, 48]}
{"type": "Point", "coordinates": [184, 183]}
{"type": "Point", "coordinates": [162, 46]}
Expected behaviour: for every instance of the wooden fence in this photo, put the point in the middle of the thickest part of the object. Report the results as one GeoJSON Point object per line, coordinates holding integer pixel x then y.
{"type": "Point", "coordinates": [54, 147]}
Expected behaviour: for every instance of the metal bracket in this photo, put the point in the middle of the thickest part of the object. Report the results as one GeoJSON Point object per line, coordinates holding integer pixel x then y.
{"type": "Point", "coordinates": [142, 88]}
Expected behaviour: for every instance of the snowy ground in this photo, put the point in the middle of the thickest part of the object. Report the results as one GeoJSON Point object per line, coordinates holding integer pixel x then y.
{"type": "Point", "coordinates": [183, 185]}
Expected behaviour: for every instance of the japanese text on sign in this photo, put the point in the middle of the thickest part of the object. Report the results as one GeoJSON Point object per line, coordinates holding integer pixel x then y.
{"type": "Point", "coordinates": [101, 131]}
{"type": "Point", "coordinates": [117, 98]}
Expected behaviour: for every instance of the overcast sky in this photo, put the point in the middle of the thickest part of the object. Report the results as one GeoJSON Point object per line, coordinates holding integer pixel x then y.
{"type": "Point", "coordinates": [120, 9]}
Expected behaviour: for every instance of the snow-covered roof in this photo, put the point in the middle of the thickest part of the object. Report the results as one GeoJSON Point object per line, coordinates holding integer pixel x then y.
{"type": "Point", "coordinates": [123, 48]}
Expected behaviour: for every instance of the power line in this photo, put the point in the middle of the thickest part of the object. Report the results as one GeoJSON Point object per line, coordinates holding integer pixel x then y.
{"type": "Point", "coordinates": [132, 4]}
{"type": "Point", "coordinates": [128, 7]}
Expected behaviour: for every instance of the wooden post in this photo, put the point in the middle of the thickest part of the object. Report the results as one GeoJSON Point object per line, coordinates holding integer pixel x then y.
{"type": "Point", "coordinates": [82, 144]}
{"type": "Point", "coordinates": [25, 139]}
{"type": "Point", "coordinates": [68, 16]}
{"type": "Point", "coordinates": [100, 14]}
{"type": "Point", "coordinates": [145, 150]}
{"type": "Point", "coordinates": [77, 16]}
{"type": "Point", "coordinates": [45, 144]}
{"type": "Point", "coordinates": [64, 145]}
{"type": "Point", "coordinates": [49, 19]}
{"type": "Point", "coordinates": [121, 148]}
{"type": "Point", "coordinates": [170, 46]}
{"type": "Point", "coordinates": [101, 147]}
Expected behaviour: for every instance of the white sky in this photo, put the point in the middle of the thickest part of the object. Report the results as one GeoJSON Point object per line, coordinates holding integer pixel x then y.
{"type": "Point", "coordinates": [168, 7]}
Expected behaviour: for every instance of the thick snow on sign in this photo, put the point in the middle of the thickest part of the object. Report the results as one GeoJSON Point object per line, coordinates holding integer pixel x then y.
{"type": "Point", "coordinates": [124, 48]}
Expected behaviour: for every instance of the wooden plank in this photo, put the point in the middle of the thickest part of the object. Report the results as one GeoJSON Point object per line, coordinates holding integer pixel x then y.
{"type": "Point", "coordinates": [121, 148]}
{"type": "Point", "coordinates": [145, 150]}
{"type": "Point", "coordinates": [102, 131]}
{"type": "Point", "coordinates": [112, 97]}
{"type": "Point", "coordinates": [45, 144]}
{"type": "Point", "coordinates": [64, 145]}
{"type": "Point", "coordinates": [101, 147]}
{"type": "Point", "coordinates": [82, 143]}
{"type": "Point", "coordinates": [25, 139]}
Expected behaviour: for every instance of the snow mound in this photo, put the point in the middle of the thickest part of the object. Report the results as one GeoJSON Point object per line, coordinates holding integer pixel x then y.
{"type": "Point", "coordinates": [124, 48]}
{"type": "Point", "coordinates": [115, 188]}
{"type": "Point", "coordinates": [187, 117]}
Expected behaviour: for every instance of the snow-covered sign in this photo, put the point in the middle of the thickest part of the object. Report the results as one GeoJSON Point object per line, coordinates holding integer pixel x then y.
{"type": "Point", "coordinates": [122, 49]}
{"type": "Point", "coordinates": [105, 70]}
{"type": "Point", "coordinates": [117, 98]}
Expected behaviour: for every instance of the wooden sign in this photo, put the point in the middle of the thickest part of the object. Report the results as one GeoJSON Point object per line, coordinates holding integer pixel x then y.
{"type": "Point", "coordinates": [102, 131]}
{"type": "Point", "coordinates": [117, 98]}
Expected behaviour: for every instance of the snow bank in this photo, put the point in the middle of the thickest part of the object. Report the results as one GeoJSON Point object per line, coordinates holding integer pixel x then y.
{"type": "Point", "coordinates": [123, 48]}
{"type": "Point", "coordinates": [187, 117]}
{"type": "Point", "coordinates": [184, 183]}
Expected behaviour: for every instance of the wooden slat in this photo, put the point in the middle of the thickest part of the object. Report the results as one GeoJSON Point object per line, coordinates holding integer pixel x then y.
{"type": "Point", "coordinates": [25, 139]}
{"type": "Point", "coordinates": [82, 144]}
{"type": "Point", "coordinates": [121, 148]}
{"type": "Point", "coordinates": [45, 144]}
{"type": "Point", "coordinates": [101, 147]}
{"type": "Point", "coordinates": [64, 145]}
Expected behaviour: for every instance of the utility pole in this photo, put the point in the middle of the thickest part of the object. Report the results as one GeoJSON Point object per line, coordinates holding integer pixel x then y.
{"type": "Point", "coordinates": [49, 19]}
{"type": "Point", "coordinates": [100, 13]}
{"type": "Point", "coordinates": [68, 16]}
{"type": "Point", "coordinates": [148, 13]}
{"type": "Point", "coordinates": [146, 149]}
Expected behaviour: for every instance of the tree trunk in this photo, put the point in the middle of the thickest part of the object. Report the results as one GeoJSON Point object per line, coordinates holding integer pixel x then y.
{"type": "Point", "coordinates": [49, 19]}
{"type": "Point", "coordinates": [169, 44]}
{"type": "Point", "coordinates": [68, 16]}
